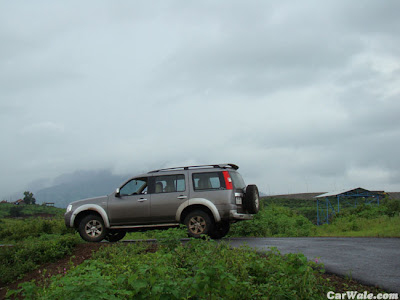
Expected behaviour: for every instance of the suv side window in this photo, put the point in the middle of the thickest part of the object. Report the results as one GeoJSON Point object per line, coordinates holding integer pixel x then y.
{"type": "Point", "coordinates": [169, 183]}
{"type": "Point", "coordinates": [134, 187]}
{"type": "Point", "coordinates": [208, 181]}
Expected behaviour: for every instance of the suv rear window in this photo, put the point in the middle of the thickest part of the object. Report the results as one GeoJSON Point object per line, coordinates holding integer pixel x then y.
{"type": "Point", "coordinates": [237, 179]}
{"type": "Point", "coordinates": [208, 181]}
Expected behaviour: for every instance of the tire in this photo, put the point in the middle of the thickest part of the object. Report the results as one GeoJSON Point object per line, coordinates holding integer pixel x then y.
{"type": "Point", "coordinates": [91, 228]}
{"type": "Point", "coordinates": [221, 229]}
{"type": "Point", "coordinates": [198, 223]}
{"type": "Point", "coordinates": [252, 199]}
{"type": "Point", "coordinates": [115, 236]}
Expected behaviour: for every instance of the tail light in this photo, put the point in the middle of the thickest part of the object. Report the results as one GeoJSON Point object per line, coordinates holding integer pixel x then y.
{"type": "Point", "coordinates": [228, 180]}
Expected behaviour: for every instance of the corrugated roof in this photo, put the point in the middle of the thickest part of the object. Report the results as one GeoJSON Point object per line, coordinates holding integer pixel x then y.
{"type": "Point", "coordinates": [336, 193]}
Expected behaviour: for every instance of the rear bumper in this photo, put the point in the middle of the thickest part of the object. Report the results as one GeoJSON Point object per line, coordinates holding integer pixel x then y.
{"type": "Point", "coordinates": [237, 216]}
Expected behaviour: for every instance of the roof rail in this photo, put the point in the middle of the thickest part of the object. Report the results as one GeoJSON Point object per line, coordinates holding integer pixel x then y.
{"type": "Point", "coordinates": [222, 166]}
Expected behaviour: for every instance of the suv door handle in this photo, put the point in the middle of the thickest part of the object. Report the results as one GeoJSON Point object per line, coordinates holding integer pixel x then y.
{"type": "Point", "coordinates": [182, 197]}
{"type": "Point", "coordinates": [142, 200]}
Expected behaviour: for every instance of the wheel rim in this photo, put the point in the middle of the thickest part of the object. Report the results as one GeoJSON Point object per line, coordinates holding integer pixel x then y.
{"type": "Point", "coordinates": [197, 225]}
{"type": "Point", "coordinates": [93, 228]}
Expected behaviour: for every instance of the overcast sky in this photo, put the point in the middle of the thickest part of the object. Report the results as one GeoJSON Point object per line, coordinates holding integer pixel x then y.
{"type": "Point", "coordinates": [303, 95]}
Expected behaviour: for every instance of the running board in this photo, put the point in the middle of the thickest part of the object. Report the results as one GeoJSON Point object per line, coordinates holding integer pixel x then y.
{"type": "Point", "coordinates": [154, 226]}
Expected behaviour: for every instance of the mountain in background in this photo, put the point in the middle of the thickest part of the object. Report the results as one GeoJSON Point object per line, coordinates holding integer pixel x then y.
{"type": "Point", "coordinates": [79, 185]}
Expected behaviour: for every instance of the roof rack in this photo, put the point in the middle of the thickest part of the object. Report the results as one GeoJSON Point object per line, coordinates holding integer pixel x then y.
{"type": "Point", "coordinates": [221, 166]}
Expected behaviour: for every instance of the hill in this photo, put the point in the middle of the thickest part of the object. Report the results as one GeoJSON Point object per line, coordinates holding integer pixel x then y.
{"type": "Point", "coordinates": [79, 185]}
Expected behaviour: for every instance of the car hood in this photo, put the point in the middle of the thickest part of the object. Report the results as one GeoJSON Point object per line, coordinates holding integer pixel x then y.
{"type": "Point", "coordinates": [94, 200]}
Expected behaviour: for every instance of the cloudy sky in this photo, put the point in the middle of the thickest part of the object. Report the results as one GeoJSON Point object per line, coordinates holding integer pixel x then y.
{"type": "Point", "coordinates": [303, 95]}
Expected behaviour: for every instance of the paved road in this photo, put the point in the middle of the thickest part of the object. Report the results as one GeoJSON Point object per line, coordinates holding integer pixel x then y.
{"type": "Point", "coordinates": [373, 261]}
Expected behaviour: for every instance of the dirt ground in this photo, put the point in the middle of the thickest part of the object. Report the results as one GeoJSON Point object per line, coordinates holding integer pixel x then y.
{"type": "Point", "coordinates": [79, 255]}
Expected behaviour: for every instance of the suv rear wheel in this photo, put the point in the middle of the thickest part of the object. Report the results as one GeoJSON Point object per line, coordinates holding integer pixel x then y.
{"type": "Point", "coordinates": [91, 228]}
{"type": "Point", "coordinates": [115, 236]}
{"type": "Point", "coordinates": [198, 222]}
{"type": "Point", "coordinates": [220, 230]}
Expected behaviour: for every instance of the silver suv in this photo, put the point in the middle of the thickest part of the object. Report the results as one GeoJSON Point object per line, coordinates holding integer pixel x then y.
{"type": "Point", "coordinates": [207, 199]}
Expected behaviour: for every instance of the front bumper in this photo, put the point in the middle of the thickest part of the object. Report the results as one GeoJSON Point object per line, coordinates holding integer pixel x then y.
{"type": "Point", "coordinates": [237, 216]}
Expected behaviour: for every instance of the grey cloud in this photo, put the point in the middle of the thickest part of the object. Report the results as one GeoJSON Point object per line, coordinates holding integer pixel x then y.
{"type": "Point", "coordinates": [300, 95]}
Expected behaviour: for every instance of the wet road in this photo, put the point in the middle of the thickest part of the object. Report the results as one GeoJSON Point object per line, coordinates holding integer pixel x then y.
{"type": "Point", "coordinates": [373, 261]}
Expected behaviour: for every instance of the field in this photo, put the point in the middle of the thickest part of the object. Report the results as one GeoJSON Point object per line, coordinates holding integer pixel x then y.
{"type": "Point", "coordinates": [62, 264]}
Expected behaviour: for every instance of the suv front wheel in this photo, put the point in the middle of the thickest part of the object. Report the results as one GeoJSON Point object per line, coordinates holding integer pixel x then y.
{"type": "Point", "coordinates": [92, 229]}
{"type": "Point", "coordinates": [198, 222]}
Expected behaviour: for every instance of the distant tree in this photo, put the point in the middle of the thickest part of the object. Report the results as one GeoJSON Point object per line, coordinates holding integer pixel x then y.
{"type": "Point", "coordinates": [29, 199]}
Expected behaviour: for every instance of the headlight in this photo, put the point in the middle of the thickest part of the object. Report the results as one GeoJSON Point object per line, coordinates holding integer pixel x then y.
{"type": "Point", "coordinates": [69, 207]}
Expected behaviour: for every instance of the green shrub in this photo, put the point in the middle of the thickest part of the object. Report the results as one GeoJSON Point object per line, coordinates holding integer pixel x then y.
{"type": "Point", "coordinates": [274, 221]}
{"type": "Point", "coordinates": [198, 270]}
{"type": "Point", "coordinates": [27, 255]}
{"type": "Point", "coordinates": [15, 211]}
{"type": "Point", "coordinates": [392, 207]}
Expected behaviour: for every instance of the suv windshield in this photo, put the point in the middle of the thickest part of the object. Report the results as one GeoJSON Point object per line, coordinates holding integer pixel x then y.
{"type": "Point", "coordinates": [135, 186]}
{"type": "Point", "coordinates": [237, 179]}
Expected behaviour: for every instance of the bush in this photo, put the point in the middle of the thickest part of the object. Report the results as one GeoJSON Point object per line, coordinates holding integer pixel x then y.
{"type": "Point", "coordinates": [15, 212]}
{"type": "Point", "coordinates": [274, 221]}
{"type": "Point", "coordinates": [392, 207]}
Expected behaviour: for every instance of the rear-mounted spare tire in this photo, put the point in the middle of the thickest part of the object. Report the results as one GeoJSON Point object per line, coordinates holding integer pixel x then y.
{"type": "Point", "coordinates": [251, 199]}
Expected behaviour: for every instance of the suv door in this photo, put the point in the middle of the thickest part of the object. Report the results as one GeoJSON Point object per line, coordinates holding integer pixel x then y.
{"type": "Point", "coordinates": [168, 192]}
{"type": "Point", "coordinates": [131, 205]}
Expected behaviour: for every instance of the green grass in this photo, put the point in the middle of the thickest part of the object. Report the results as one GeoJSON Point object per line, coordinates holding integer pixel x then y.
{"type": "Point", "coordinates": [37, 241]}
{"type": "Point", "coordinates": [364, 221]}
{"type": "Point", "coordinates": [382, 226]}
{"type": "Point", "coordinates": [180, 232]}
{"type": "Point", "coordinates": [274, 221]}
{"type": "Point", "coordinates": [34, 241]}
{"type": "Point", "coordinates": [14, 230]}
{"type": "Point", "coordinates": [29, 209]}
{"type": "Point", "coordinates": [199, 270]}
{"type": "Point", "coordinates": [27, 255]}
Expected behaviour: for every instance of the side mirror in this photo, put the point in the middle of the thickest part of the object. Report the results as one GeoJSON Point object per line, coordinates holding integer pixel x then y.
{"type": "Point", "coordinates": [117, 193]}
